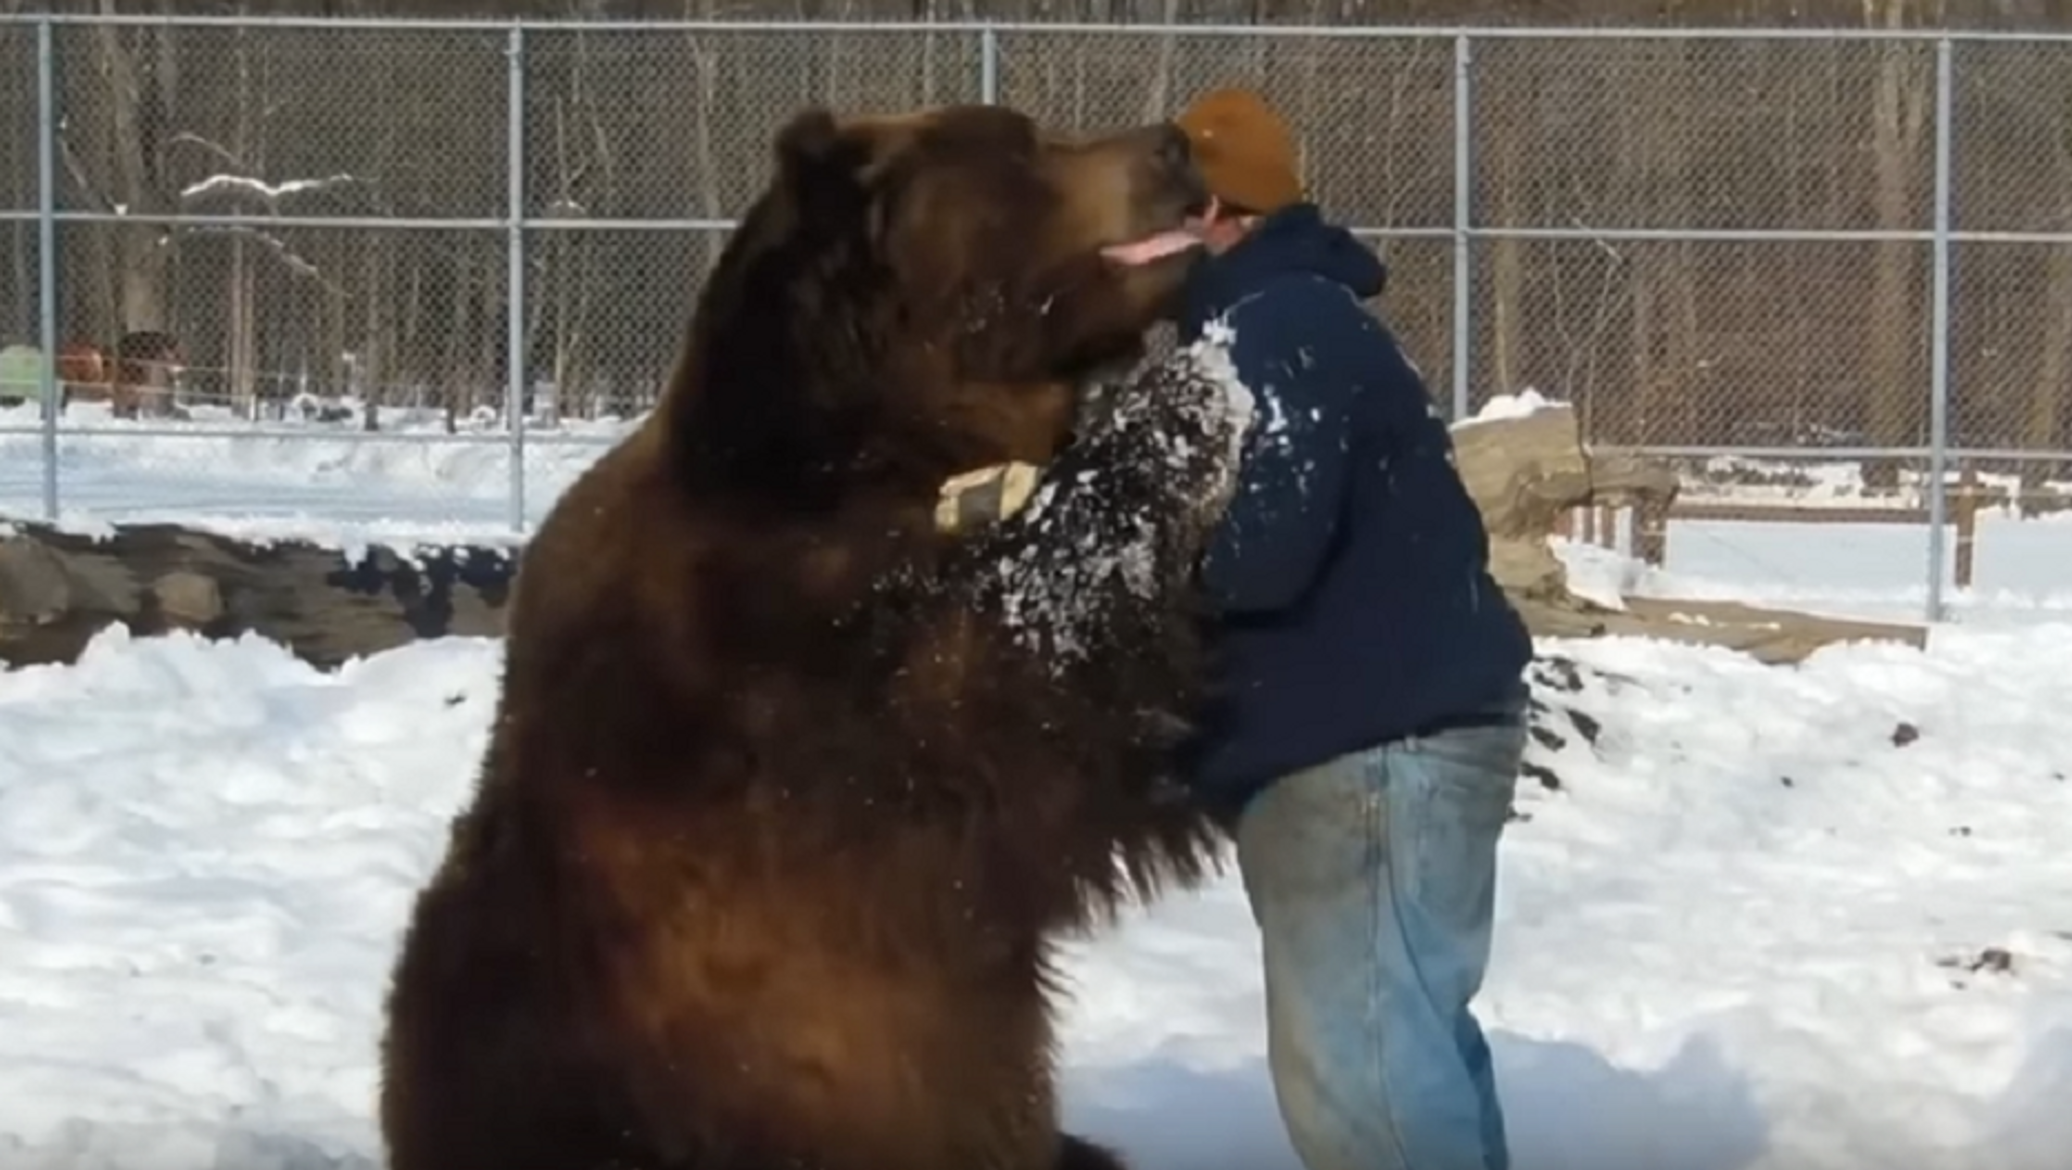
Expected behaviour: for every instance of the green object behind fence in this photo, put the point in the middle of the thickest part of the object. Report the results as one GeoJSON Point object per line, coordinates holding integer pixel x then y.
{"type": "Point", "coordinates": [21, 372]}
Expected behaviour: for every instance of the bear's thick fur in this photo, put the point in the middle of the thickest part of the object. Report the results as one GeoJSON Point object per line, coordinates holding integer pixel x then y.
{"type": "Point", "coordinates": [788, 791]}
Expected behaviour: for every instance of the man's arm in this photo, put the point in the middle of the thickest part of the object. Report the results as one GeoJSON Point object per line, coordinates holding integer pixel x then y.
{"type": "Point", "coordinates": [1302, 346]}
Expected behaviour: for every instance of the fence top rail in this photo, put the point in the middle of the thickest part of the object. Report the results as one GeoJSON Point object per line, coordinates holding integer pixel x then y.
{"type": "Point", "coordinates": [1059, 28]}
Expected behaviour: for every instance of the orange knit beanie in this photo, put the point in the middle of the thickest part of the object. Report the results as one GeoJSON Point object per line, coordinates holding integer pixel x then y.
{"type": "Point", "coordinates": [1244, 149]}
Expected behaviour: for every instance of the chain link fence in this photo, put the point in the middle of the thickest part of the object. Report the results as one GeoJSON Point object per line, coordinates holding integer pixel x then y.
{"type": "Point", "coordinates": [308, 272]}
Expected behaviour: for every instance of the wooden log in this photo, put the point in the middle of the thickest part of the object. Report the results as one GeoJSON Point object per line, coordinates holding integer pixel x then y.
{"type": "Point", "coordinates": [57, 589]}
{"type": "Point", "coordinates": [1525, 471]}
{"type": "Point", "coordinates": [1776, 637]}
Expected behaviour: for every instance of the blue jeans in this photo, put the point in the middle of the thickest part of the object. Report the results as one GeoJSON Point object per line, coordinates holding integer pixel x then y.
{"type": "Point", "coordinates": [1372, 878]}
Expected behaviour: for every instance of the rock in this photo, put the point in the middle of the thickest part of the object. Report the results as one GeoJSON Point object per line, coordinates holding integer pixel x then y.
{"type": "Point", "coordinates": [188, 599]}
{"type": "Point", "coordinates": [34, 589]}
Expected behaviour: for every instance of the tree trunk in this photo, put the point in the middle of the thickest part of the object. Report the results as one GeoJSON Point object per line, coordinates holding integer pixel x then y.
{"type": "Point", "coordinates": [136, 109]}
{"type": "Point", "coordinates": [1897, 408]}
{"type": "Point", "coordinates": [2053, 365]}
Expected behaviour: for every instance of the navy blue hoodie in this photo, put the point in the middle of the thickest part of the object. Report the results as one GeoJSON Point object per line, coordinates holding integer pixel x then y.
{"type": "Point", "coordinates": [1351, 572]}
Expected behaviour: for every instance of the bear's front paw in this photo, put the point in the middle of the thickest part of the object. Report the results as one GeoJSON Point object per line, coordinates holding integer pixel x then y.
{"type": "Point", "coordinates": [1208, 412]}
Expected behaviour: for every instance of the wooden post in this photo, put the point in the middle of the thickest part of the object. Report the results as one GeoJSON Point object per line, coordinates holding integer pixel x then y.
{"type": "Point", "coordinates": [1651, 531]}
{"type": "Point", "coordinates": [1964, 512]}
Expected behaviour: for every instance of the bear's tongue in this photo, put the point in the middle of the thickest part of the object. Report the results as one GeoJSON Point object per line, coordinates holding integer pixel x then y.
{"type": "Point", "coordinates": [1152, 247]}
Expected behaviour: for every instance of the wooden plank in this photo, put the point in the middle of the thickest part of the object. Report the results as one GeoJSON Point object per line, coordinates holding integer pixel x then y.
{"type": "Point", "coordinates": [1771, 635]}
{"type": "Point", "coordinates": [1741, 513]}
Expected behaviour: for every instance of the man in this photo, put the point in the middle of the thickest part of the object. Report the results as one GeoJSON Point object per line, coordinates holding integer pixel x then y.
{"type": "Point", "coordinates": [1370, 727]}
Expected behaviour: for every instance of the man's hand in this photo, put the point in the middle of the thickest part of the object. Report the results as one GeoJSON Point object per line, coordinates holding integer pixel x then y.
{"type": "Point", "coordinates": [974, 499]}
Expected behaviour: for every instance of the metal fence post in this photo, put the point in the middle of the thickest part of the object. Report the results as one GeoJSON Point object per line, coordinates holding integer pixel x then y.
{"type": "Point", "coordinates": [515, 364]}
{"type": "Point", "coordinates": [47, 256]}
{"type": "Point", "coordinates": [1463, 216]}
{"type": "Point", "coordinates": [989, 65]}
{"type": "Point", "coordinates": [1939, 332]}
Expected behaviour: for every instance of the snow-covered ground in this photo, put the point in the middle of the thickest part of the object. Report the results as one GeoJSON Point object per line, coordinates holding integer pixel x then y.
{"type": "Point", "coordinates": [1740, 934]}
{"type": "Point", "coordinates": [1813, 919]}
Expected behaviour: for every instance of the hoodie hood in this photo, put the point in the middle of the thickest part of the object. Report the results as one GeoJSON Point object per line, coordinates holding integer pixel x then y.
{"type": "Point", "coordinates": [1295, 239]}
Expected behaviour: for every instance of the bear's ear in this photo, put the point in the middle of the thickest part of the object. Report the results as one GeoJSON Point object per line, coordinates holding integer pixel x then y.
{"type": "Point", "coordinates": [816, 146]}
{"type": "Point", "coordinates": [838, 172]}
{"type": "Point", "coordinates": [810, 138]}
{"type": "Point", "coordinates": [817, 154]}
{"type": "Point", "coordinates": [823, 167]}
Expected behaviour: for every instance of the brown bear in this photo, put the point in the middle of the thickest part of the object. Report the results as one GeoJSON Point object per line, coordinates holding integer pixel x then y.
{"type": "Point", "coordinates": [790, 791]}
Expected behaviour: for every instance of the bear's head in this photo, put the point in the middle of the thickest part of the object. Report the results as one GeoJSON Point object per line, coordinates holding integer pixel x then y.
{"type": "Point", "coordinates": [917, 295]}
